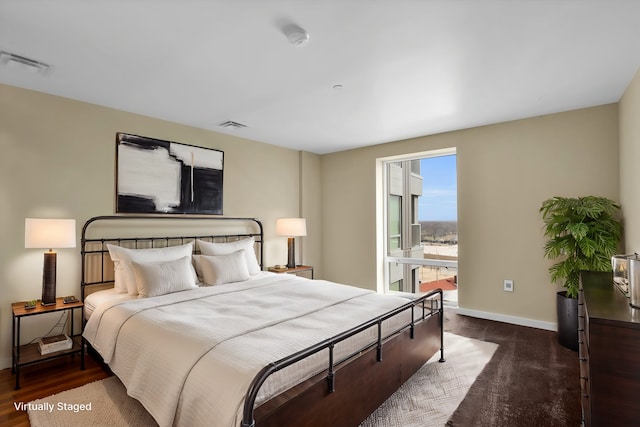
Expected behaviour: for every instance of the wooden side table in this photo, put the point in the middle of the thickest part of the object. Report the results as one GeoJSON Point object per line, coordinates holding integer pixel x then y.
{"type": "Point", "coordinates": [28, 354]}
{"type": "Point", "coordinates": [298, 270]}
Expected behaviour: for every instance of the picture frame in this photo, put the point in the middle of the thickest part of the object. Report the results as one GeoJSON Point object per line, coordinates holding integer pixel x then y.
{"type": "Point", "coordinates": [155, 176]}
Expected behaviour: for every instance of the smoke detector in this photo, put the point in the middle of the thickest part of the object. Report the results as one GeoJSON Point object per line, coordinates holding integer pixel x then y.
{"type": "Point", "coordinates": [296, 35]}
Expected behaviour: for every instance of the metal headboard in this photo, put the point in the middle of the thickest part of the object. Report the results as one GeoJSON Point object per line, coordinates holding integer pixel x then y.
{"type": "Point", "coordinates": [139, 231]}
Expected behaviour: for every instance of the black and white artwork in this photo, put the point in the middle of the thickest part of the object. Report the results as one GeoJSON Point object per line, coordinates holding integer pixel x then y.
{"type": "Point", "coordinates": [156, 176]}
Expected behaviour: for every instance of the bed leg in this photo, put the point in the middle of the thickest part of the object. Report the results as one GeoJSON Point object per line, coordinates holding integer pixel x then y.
{"type": "Point", "coordinates": [331, 379]}
{"type": "Point", "coordinates": [379, 345]}
{"type": "Point", "coordinates": [412, 329]}
{"type": "Point", "coordinates": [331, 376]}
{"type": "Point", "coordinates": [442, 359]}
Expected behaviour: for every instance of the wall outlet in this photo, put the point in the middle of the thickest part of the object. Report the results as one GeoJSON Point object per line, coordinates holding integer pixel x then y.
{"type": "Point", "coordinates": [508, 285]}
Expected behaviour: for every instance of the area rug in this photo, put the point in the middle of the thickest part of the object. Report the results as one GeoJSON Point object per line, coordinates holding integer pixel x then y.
{"type": "Point", "coordinates": [433, 393]}
{"type": "Point", "coordinates": [429, 398]}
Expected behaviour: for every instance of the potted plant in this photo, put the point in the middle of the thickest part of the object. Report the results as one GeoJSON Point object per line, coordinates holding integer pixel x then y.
{"type": "Point", "coordinates": [584, 234]}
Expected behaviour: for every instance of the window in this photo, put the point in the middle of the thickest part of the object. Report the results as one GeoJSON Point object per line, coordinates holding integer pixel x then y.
{"type": "Point", "coordinates": [420, 211]}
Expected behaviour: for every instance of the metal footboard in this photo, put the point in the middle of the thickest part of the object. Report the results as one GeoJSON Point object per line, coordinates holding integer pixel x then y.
{"type": "Point", "coordinates": [417, 304]}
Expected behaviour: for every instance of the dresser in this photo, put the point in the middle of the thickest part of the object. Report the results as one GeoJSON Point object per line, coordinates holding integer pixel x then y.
{"type": "Point", "coordinates": [609, 351]}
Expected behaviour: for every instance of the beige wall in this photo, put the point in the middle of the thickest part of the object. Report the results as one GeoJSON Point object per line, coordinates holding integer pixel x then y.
{"type": "Point", "coordinates": [58, 160]}
{"type": "Point", "coordinates": [629, 161]}
{"type": "Point", "coordinates": [505, 171]}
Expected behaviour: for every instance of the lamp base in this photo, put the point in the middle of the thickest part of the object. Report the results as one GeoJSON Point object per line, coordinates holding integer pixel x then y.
{"type": "Point", "coordinates": [49, 279]}
{"type": "Point", "coordinates": [291, 245]}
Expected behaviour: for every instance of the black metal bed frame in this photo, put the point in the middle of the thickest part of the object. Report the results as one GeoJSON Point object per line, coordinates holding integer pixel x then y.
{"type": "Point", "coordinates": [426, 303]}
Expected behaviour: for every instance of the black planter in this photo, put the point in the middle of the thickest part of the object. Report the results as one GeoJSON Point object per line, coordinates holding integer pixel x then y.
{"type": "Point", "coordinates": [567, 310]}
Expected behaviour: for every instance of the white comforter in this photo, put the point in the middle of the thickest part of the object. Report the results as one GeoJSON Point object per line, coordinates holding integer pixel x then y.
{"type": "Point", "coordinates": [190, 356]}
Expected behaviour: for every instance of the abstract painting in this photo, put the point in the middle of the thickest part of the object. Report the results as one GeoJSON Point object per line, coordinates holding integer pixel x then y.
{"type": "Point", "coordinates": [163, 177]}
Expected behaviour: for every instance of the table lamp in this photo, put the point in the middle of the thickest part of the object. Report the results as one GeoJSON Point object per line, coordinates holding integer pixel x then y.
{"type": "Point", "coordinates": [49, 234]}
{"type": "Point", "coordinates": [292, 228]}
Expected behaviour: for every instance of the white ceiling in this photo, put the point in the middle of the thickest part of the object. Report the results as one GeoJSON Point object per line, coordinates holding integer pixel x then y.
{"type": "Point", "coordinates": [408, 67]}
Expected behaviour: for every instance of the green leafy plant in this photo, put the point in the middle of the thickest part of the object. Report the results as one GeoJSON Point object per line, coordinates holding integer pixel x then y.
{"type": "Point", "coordinates": [583, 233]}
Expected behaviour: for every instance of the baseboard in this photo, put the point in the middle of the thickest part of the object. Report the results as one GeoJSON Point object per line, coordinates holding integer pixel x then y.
{"type": "Point", "coordinates": [521, 321]}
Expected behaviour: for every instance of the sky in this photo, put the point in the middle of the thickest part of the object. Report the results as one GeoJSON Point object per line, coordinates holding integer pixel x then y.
{"type": "Point", "coordinates": [439, 189]}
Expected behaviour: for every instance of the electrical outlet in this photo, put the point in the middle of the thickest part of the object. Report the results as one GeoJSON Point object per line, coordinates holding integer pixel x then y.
{"type": "Point", "coordinates": [508, 285]}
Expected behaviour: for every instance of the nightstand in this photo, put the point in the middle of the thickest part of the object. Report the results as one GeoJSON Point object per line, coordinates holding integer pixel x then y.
{"type": "Point", "coordinates": [298, 270]}
{"type": "Point", "coordinates": [28, 354]}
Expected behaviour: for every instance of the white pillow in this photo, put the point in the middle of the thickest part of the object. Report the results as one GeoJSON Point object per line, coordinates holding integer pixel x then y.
{"type": "Point", "coordinates": [220, 269]}
{"type": "Point", "coordinates": [163, 277]}
{"type": "Point", "coordinates": [212, 248]}
{"type": "Point", "coordinates": [125, 279]}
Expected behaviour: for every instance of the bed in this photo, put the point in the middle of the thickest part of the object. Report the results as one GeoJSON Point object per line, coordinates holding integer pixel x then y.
{"type": "Point", "coordinates": [211, 336]}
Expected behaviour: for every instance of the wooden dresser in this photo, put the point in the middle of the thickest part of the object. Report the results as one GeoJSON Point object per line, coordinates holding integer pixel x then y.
{"type": "Point", "coordinates": [609, 351]}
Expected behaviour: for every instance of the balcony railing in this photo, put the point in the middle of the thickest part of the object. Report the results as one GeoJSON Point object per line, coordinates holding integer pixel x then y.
{"type": "Point", "coordinates": [438, 272]}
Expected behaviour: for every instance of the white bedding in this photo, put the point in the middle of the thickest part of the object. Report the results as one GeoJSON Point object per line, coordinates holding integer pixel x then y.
{"type": "Point", "coordinates": [102, 297]}
{"type": "Point", "coordinates": [190, 356]}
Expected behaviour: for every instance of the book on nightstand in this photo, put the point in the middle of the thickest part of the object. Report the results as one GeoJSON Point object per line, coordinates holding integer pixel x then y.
{"type": "Point", "coordinates": [56, 343]}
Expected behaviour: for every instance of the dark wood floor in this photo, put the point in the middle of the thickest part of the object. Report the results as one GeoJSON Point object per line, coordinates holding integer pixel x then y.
{"type": "Point", "coordinates": [530, 381]}
{"type": "Point", "coordinates": [41, 380]}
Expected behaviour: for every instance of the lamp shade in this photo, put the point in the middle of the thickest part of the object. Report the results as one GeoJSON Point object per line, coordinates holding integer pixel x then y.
{"type": "Point", "coordinates": [49, 233]}
{"type": "Point", "coordinates": [291, 227]}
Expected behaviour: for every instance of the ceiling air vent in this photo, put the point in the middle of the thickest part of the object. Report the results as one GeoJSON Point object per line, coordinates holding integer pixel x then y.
{"type": "Point", "coordinates": [22, 63]}
{"type": "Point", "coordinates": [230, 124]}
